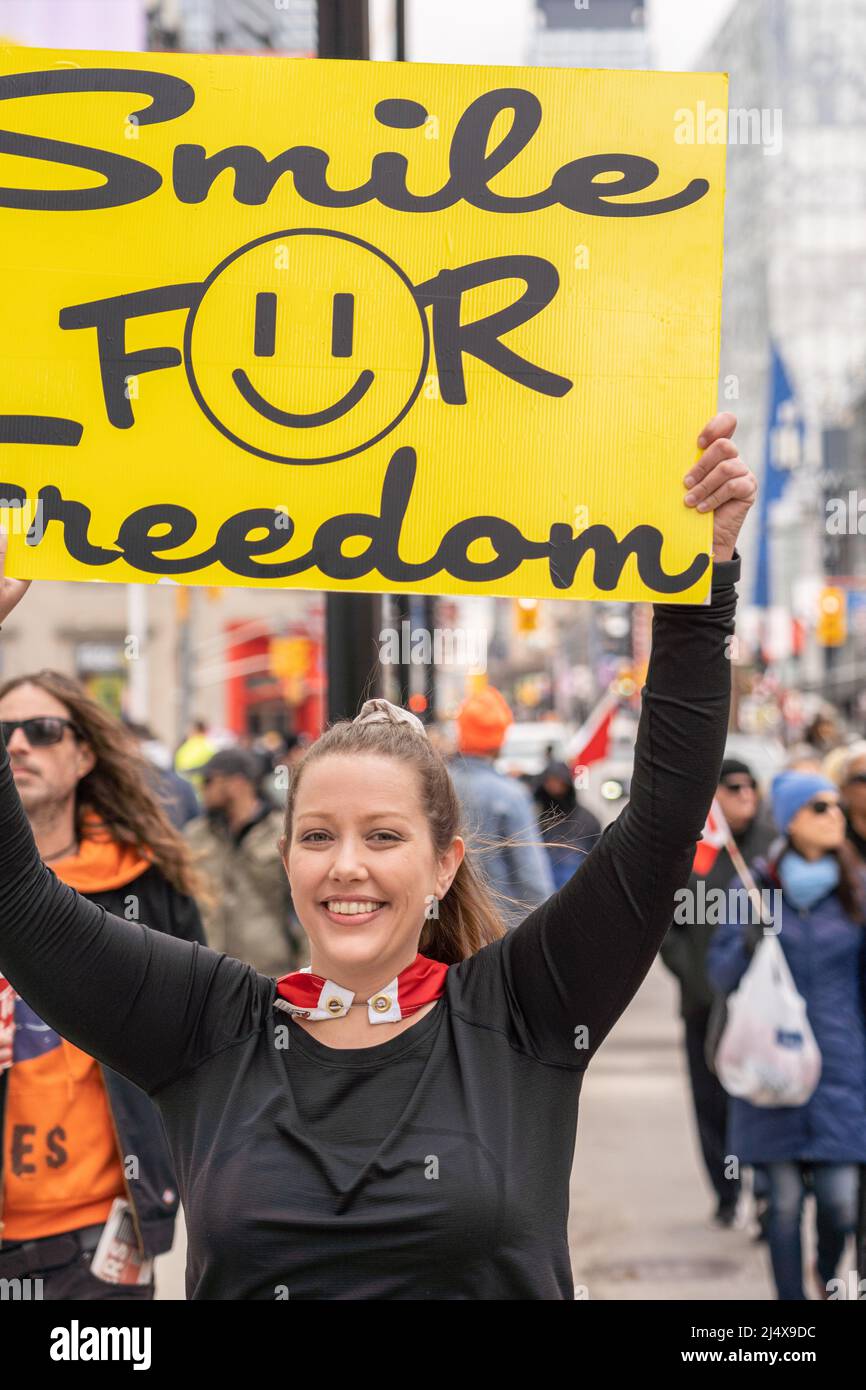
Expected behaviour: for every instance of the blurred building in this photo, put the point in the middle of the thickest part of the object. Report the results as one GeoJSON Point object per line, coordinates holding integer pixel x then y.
{"type": "Point", "coordinates": [233, 26]}
{"type": "Point", "coordinates": [105, 24]}
{"type": "Point", "coordinates": [245, 660]}
{"type": "Point", "coordinates": [591, 34]}
{"type": "Point", "coordinates": [795, 273]}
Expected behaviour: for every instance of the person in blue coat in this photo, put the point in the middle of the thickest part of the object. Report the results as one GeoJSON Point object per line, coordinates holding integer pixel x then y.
{"type": "Point", "coordinates": [818, 1146]}
{"type": "Point", "coordinates": [499, 810]}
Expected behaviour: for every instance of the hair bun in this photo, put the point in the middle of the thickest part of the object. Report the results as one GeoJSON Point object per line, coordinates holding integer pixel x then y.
{"type": "Point", "coordinates": [383, 712]}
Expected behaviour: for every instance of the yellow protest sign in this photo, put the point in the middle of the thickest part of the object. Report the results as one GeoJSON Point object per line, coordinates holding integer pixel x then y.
{"type": "Point", "coordinates": [365, 326]}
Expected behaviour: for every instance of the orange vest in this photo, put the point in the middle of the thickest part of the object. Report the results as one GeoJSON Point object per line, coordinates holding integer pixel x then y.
{"type": "Point", "coordinates": [61, 1163]}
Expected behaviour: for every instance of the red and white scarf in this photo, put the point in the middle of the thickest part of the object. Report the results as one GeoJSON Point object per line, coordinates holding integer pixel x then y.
{"type": "Point", "coordinates": [312, 996]}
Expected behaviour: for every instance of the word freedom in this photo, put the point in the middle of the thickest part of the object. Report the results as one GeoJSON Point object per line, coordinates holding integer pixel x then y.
{"type": "Point", "coordinates": [239, 542]}
{"type": "Point", "coordinates": [473, 159]}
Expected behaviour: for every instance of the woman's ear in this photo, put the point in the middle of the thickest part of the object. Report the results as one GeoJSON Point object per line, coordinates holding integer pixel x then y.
{"type": "Point", "coordinates": [449, 863]}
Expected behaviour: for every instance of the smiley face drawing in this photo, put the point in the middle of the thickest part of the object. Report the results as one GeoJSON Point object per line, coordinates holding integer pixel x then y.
{"type": "Point", "coordinates": [306, 346]}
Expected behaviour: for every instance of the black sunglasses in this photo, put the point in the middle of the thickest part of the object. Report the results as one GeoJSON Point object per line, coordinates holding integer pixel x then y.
{"type": "Point", "coordinates": [40, 732]}
{"type": "Point", "coordinates": [747, 785]}
{"type": "Point", "coordinates": [822, 807]}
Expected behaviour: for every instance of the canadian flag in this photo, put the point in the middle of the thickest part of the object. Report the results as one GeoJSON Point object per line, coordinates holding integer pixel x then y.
{"type": "Point", "coordinates": [7, 1023]}
{"type": "Point", "coordinates": [592, 740]}
{"type": "Point", "coordinates": [715, 836]}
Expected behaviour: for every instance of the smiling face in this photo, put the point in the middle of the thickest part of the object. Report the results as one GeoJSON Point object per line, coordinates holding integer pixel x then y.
{"type": "Point", "coordinates": [360, 838]}
{"type": "Point", "coordinates": [306, 346]}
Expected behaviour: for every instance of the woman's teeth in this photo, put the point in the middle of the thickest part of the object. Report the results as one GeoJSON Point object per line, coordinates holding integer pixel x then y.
{"type": "Point", "coordinates": [352, 909]}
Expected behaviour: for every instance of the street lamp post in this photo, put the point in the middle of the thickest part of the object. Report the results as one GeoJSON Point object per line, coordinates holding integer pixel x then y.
{"type": "Point", "coordinates": [352, 621]}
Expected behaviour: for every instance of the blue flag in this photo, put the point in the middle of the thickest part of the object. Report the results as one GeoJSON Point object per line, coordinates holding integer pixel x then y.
{"type": "Point", "coordinates": [782, 453]}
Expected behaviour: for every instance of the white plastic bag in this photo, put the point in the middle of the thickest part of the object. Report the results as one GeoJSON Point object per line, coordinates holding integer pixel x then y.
{"type": "Point", "coordinates": [767, 1053]}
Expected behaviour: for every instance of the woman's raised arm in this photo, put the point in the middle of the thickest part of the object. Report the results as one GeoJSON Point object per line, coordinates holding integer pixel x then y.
{"type": "Point", "coordinates": [574, 964]}
{"type": "Point", "coordinates": [147, 1004]}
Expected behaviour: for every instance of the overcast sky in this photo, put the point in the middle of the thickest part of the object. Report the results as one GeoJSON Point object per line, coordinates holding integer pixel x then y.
{"type": "Point", "coordinates": [495, 31]}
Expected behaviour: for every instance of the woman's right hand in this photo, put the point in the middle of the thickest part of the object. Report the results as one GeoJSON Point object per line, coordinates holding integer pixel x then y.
{"type": "Point", "coordinates": [12, 591]}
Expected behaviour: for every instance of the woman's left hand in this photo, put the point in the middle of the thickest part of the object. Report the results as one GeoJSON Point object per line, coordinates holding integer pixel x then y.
{"type": "Point", "coordinates": [720, 482]}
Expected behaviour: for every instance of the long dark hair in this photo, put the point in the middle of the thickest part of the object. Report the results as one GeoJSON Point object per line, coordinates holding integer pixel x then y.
{"type": "Point", "coordinates": [468, 915]}
{"type": "Point", "coordinates": [119, 787]}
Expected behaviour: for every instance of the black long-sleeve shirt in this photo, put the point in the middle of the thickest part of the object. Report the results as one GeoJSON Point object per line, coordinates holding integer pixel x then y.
{"type": "Point", "coordinates": [436, 1164]}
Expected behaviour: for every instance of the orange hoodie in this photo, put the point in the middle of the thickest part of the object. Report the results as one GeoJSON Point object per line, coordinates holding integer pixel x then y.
{"type": "Point", "coordinates": [61, 1162]}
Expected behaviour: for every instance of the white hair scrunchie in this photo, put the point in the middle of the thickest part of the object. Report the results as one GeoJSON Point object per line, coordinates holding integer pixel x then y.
{"type": "Point", "coordinates": [383, 712]}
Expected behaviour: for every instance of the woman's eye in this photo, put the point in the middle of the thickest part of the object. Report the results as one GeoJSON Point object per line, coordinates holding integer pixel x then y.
{"type": "Point", "coordinates": [312, 834]}
{"type": "Point", "coordinates": [385, 835]}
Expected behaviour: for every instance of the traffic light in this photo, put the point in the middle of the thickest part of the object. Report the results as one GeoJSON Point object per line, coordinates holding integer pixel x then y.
{"type": "Point", "coordinates": [832, 627]}
{"type": "Point", "coordinates": [526, 614]}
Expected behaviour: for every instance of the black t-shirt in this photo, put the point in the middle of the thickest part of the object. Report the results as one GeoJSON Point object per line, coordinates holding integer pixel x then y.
{"type": "Point", "coordinates": [434, 1165]}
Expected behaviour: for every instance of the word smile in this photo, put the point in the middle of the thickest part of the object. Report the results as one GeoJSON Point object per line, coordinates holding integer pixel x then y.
{"type": "Point", "coordinates": [260, 531]}
{"type": "Point", "coordinates": [472, 161]}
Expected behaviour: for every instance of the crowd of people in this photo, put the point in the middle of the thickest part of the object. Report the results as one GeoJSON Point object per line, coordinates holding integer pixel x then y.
{"type": "Point", "coordinates": [190, 845]}
{"type": "Point", "coordinates": [804, 844]}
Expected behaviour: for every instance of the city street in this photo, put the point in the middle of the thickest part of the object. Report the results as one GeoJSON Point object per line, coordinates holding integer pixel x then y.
{"type": "Point", "coordinates": [640, 1209]}
{"type": "Point", "coordinates": [434, 506]}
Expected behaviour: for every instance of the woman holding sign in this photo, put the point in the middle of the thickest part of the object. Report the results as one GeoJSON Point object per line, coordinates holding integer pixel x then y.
{"type": "Point", "coordinates": [398, 1122]}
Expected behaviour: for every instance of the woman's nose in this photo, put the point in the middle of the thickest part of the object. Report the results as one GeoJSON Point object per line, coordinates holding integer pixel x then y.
{"type": "Point", "coordinates": [347, 862]}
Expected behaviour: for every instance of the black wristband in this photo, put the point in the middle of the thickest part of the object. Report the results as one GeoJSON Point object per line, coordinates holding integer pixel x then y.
{"type": "Point", "coordinates": [726, 572]}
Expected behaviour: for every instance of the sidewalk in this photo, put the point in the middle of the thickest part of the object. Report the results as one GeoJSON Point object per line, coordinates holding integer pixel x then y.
{"type": "Point", "coordinates": [640, 1204]}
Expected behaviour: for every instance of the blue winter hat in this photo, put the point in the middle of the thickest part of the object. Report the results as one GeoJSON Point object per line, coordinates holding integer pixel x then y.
{"type": "Point", "coordinates": [792, 790]}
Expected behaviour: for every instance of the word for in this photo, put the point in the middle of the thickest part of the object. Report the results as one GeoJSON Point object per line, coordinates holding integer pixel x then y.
{"type": "Point", "coordinates": [444, 646]}
{"type": "Point", "coordinates": [77, 1343]}
{"type": "Point", "coordinates": [453, 339]}
{"type": "Point", "coordinates": [474, 159]}
{"type": "Point", "coordinates": [736, 126]}
{"type": "Point", "coordinates": [239, 542]}
{"type": "Point", "coordinates": [709, 907]}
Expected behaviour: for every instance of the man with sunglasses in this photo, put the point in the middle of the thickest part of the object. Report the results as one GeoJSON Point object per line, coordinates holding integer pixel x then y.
{"type": "Point", "coordinates": [82, 1148]}
{"type": "Point", "coordinates": [684, 952]}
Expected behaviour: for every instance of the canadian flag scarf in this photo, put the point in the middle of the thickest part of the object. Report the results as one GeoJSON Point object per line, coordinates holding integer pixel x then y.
{"type": "Point", "coordinates": [311, 996]}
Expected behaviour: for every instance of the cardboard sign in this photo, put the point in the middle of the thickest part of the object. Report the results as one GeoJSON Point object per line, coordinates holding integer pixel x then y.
{"type": "Point", "coordinates": [367, 326]}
